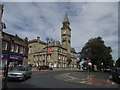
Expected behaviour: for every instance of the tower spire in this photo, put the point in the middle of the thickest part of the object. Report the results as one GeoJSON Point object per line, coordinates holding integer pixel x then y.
{"type": "Point", "coordinates": [66, 34]}
{"type": "Point", "coordinates": [66, 18]}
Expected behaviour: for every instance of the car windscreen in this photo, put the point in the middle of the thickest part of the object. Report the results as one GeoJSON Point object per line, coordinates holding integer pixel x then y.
{"type": "Point", "coordinates": [19, 68]}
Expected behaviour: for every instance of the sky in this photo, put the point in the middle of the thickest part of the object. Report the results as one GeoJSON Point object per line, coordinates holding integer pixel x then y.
{"type": "Point", "coordinates": [87, 20]}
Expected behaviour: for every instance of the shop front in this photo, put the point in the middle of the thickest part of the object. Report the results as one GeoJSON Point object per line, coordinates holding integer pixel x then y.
{"type": "Point", "coordinates": [14, 60]}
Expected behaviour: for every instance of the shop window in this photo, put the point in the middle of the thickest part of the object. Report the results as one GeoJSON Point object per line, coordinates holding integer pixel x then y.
{"type": "Point", "coordinates": [59, 57]}
{"type": "Point", "coordinates": [49, 57]}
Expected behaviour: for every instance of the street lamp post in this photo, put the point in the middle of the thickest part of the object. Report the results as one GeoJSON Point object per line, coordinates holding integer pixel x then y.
{"type": "Point", "coordinates": [47, 39]}
{"type": "Point", "coordinates": [2, 26]}
{"type": "Point", "coordinates": [6, 68]}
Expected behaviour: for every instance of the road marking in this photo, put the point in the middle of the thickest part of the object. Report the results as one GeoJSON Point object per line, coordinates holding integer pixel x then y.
{"type": "Point", "coordinates": [113, 83]}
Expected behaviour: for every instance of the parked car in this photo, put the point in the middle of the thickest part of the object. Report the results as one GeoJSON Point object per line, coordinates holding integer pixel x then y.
{"type": "Point", "coordinates": [115, 73]}
{"type": "Point", "coordinates": [85, 68]}
{"type": "Point", "coordinates": [21, 72]}
{"type": "Point", "coordinates": [30, 65]}
{"type": "Point", "coordinates": [44, 67]}
{"type": "Point", "coordinates": [107, 69]}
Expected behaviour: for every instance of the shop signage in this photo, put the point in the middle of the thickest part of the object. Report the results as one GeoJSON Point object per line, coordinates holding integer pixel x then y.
{"type": "Point", "coordinates": [12, 57]}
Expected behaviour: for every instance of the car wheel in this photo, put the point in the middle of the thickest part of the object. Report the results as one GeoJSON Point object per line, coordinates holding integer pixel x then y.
{"type": "Point", "coordinates": [113, 79]}
{"type": "Point", "coordinates": [24, 78]}
{"type": "Point", "coordinates": [118, 81]}
{"type": "Point", "coordinates": [30, 76]}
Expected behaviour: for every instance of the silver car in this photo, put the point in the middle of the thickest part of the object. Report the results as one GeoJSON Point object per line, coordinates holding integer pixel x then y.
{"type": "Point", "coordinates": [19, 73]}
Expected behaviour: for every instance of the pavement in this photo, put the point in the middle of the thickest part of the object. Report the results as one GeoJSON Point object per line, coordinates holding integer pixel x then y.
{"type": "Point", "coordinates": [1, 79]}
{"type": "Point", "coordinates": [98, 78]}
{"type": "Point", "coordinates": [1, 74]}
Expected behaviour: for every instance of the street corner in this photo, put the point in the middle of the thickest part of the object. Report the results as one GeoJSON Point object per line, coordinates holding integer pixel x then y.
{"type": "Point", "coordinates": [101, 82]}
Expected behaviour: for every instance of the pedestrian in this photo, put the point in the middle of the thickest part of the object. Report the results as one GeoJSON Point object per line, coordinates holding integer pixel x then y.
{"type": "Point", "coordinates": [9, 68]}
{"type": "Point", "coordinates": [89, 65]}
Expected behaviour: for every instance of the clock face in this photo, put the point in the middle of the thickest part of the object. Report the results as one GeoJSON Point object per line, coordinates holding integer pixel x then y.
{"type": "Point", "coordinates": [64, 32]}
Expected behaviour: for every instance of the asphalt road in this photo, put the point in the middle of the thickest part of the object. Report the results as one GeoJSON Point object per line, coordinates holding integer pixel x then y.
{"type": "Point", "coordinates": [46, 79]}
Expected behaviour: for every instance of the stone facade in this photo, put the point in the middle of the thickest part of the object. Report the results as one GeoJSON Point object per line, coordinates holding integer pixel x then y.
{"type": "Point", "coordinates": [18, 48]}
{"type": "Point", "coordinates": [34, 46]}
{"type": "Point", "coordinates": [54, 53]}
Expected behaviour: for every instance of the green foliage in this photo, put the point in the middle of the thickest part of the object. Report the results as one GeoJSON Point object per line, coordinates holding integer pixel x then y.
{"type": "Point", "coordinates": [85, 64]}
{"type": "Point", "coordinates": [96, 50]}
{"type": "Point", "coordinates": [117, 63]}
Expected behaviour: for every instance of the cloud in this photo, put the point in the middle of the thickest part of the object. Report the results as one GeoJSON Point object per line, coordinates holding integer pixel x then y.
{"type": "Point", "coordinates": [87, 20]}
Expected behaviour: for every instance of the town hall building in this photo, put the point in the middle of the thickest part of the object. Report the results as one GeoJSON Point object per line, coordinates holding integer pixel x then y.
{"type": "Point", "coordinates": [53, 53]}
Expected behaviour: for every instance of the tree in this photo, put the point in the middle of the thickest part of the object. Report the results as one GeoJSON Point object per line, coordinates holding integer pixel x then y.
{"type": "Point", "coordinates": [118, 63]}
{"type": "Point", "coordinates": [85, 64]}
{"type": "Point", "coordinates": [96, 50]}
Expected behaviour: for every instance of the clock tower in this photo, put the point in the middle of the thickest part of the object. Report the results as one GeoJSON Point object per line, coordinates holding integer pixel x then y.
{"type": "Point", "coordinates": [66, 34]}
